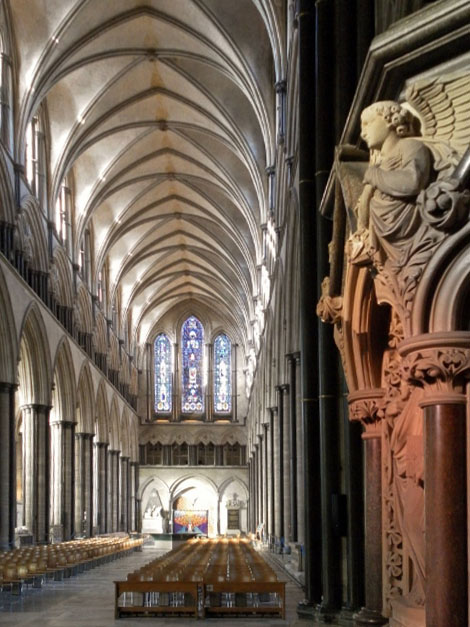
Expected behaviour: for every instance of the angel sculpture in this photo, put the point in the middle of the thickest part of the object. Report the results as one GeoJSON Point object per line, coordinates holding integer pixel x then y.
{"type": "Point", "coordinates": [413, 194]}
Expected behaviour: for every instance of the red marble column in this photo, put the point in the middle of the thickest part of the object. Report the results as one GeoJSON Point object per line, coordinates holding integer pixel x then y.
{"type": "Point", "coordinates": [440, 363]}
{"type": "Point", "coordinates": [364, 407]}
{"type": "Point", "coordinates": [446, 513]}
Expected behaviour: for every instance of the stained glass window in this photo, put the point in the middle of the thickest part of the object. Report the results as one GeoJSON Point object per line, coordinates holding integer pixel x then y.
{"type": "Point", "coordinates": [222, 374]}
{"type": "Point", "coordinates": [163, 374]}
{"type": "Point", "coordinates": [192, 345]}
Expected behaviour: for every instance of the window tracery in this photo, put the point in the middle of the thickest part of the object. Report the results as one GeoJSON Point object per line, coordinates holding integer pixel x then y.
{"type": "Point", "coordinates": [222, 371]}
{"type": "Point", "coordinates": [192, 343]}
{"type": "Point", "coordinates": [163, 374]}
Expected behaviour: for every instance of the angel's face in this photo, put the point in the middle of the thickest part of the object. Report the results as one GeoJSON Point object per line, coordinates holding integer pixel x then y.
{"type": "Point", "coordinates": [374, 129]}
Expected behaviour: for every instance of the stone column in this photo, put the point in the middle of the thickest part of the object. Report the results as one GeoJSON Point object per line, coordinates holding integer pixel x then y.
{"type": "Point", "coordinates": [265, 480]}
{"type": "Point", "coordinates": [363, 406]}
{"type": "Point", "coordinates": [280, 468]}
{"type": "Point", "coordinates": [261, 516]}
{"type": "Point", "coordinates": [101, 452]}
{"type": "Point", "coordinates": [134, 486]}
{"type": "Point", "coordinates": [354, 489]}
{"type": "Point", "coordinates": [7, 467]}
{"type": "Point", "coordinates": [83, 483]}
{"type": "Point", "coordinates": [114, 494]}
{"type": "Point", "coordinates": [270, 477]}
{"type": "Point", "coordinates": [124, 490]}
{"type": "Point", "coordinates": [292, 454]}
{"type": "Point", "coordinates": [299, 439]}
{"type": "Point", "coordinates": [277, 469]}
{"type": "Point", "coordinates": [36, 464]}
{"type": "Point", "coordinates": [286, 474]}
{"type": "Point", "coordinates": [440, 363]}
{"type": "Point", "coordinates": [62, 438]}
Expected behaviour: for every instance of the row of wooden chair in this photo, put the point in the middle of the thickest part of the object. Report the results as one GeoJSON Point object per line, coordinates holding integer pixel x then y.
{"type": "Point", "coordinates": [210, 560]}
{"type": "Point", "coordinates": [203, 577]}
{"type": "Point", "coordinates": [34, 564]}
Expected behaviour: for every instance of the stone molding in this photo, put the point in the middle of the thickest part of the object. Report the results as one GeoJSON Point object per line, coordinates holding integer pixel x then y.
{"type": "Point", "coordinates": [364, 407]}
{"type": "Point", "coordinates": [439, 363]}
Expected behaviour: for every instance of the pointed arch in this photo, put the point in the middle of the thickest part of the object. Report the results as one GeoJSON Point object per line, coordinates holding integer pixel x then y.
{"type": "Point", "coordinates": [85, 401]}
{"type": "Point", "coordinates": [34, 371]}
{"type": "Point", "coordinates": [32, 233]}
{"type": "Point", "coordinates": [114, 426]}
{"type": "Point", "coordinates": [63, 286]}
{"type": "Point", "coordinates": [63, 404]}
{"type": "Point", "coordinates": [83, 310]}
{"type": "Point", "coordinates": [8, 343]}
{"type": "Point", "coordinates": [124, 436]}
{"type": "Point", "coordinates": [102, 415]}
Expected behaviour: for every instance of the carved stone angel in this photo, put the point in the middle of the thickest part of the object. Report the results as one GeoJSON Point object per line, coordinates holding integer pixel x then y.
{"type": "Point", "coordinates": [411, 199]}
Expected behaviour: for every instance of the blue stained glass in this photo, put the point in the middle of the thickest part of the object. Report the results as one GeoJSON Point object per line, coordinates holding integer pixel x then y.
{"type": "Point", "coordinates": [192, 344]}
{"type": "Point", "coordinates": [163, 374]}
{"type": "Point", "coordinates": [222, 373]}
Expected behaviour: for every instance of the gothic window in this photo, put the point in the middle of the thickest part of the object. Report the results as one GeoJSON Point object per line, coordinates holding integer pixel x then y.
{"type": "Point", "coordinates": [179, 455]}
{"type": "Point", "coordinates": [233, 455]}
{"type": "Point", "coordinates": [163, 374]}
{"type": "Point", "coordinates": [206, 454]}
{"type": "Point", "coordinates": [192, 344]}
{"type": "Point", "coordinates": [154, 454]}
{"type": "Point", "coordinates": [63, 220]}
{"type": "Point", "coordinates": [222, 373]}
{"type": "Point", "coordinates": [84, 261]}
{"type": "Point", "coordinates": [32, 150]}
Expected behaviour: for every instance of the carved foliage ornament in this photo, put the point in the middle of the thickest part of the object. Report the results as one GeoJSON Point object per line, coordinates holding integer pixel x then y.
{"type": "Point", "coordinates": [443, 369]}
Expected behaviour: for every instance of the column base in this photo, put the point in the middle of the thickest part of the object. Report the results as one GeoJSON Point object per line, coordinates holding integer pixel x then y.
{"type": "Point", "coordinates": [305, 609]}
{"type": "Point", "coordinates": [325, 614]}
{"type": "Point", "coordinates": [369, 617]}
{"type": "Point", "coordinates": [346, 616]}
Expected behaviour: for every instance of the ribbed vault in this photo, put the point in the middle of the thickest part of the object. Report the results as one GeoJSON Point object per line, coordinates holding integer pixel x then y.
{"type": "Point", "coordinates": [162, 114]}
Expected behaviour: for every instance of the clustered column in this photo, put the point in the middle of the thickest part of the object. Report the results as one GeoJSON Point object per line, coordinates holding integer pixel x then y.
{"type": "Point", "coordinates": [36, 466]}
{"type": "Point", "coordinates": [84, 483]}
{"type": "Point", "coordinates": [124, 506]}
{"type": "Point", "coordinates": [102, 461]}
{"type": "Point", "coordinates": [113, 494]}
{"type": "Point", "coordinates": [7, 467]}
{"type": "Point", "coordinates": [62, 436]}
{"type": "Point", "coordinates": [134, 486]}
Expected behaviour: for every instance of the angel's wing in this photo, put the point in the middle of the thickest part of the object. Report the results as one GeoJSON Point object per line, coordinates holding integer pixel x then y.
{"type": "Point", "coordinates": [443, 106]}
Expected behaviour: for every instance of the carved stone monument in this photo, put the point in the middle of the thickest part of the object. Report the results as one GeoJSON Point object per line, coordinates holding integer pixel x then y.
{"type": "Point", "coordinates": [408, 215]}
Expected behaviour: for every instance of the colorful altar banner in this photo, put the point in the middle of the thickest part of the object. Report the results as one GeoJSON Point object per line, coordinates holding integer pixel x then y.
{"type": "Point", "coordinates": [190, 521]}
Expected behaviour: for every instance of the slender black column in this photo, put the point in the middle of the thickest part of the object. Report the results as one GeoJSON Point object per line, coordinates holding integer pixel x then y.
{"type": "Point", "coordinates": [328, 367]}
{"type": "Point", "coordinates": [266, 480]}
{"type": "Point", "coordinates": [261, 515]}
{"type": "Point", "coordinates": [280, 470]}
{"type": "Point", "coordinates": [308, 299]}
{"type": "Point", "coordinates": [292, 446]}
{"type": "Point", "coordinates": [272, 484]}
{"type": "Point", "coordinates": [7, 467]}
{"type": "Point", "coordinates": [354, 487]}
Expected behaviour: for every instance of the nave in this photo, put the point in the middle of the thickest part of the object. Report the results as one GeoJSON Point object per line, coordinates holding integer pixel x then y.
{"type": "Point", "coordinates": [88, 600]}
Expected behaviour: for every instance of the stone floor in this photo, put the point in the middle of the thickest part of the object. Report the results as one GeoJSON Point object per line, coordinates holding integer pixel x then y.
{"type": "Point", "coordinates": [87, 600]}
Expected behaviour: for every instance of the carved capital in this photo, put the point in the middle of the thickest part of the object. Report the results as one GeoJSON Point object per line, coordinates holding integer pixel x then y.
{"type": "Point", "coordinates": [364, 406]}
{"type": "Point", "coordinates": [438, 362]}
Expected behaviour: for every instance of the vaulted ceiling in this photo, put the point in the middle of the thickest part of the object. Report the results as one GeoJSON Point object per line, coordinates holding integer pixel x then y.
{"type": "Point", "coordinates": [163, 115]}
